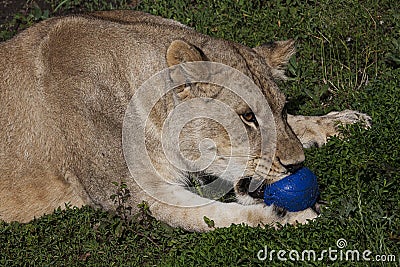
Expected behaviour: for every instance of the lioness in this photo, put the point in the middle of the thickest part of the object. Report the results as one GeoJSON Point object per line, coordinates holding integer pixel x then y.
{"type": "Point", "coordinates": [66, 83]}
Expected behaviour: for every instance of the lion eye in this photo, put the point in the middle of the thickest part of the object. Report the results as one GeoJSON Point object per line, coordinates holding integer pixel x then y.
{"type": "Point", "coordinates": [249, 118]}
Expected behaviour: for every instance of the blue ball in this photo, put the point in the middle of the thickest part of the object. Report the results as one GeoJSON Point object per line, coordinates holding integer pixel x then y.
{"type": "Point", "coordinates": [295, 192]}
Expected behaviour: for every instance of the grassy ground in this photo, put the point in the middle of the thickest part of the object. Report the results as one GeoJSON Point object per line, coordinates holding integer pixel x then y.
{"type": "Point", "coordinates": [348, 57]}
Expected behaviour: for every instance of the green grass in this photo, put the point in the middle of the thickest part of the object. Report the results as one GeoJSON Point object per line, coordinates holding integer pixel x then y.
{"type": "Point", "coordinates": [348, 57]}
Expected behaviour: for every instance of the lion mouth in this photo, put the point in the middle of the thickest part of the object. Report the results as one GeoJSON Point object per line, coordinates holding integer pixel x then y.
{"type": "Point", "coordinates": [259, 192]}
{"type": "Point", "coordinates": [243, 188]}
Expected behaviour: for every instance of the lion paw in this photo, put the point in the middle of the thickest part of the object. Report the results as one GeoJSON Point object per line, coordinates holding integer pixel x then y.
{"type": "Point", "coordinates": [301, 217]}
{"type": "Point", "coordinates": [347, 117]}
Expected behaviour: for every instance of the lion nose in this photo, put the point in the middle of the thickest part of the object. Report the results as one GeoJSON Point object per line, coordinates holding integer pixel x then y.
{"type": "Point", "coordinates": [292, 168]}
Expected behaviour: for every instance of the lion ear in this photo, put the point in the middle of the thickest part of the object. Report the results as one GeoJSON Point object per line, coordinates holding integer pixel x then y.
{"type": "Point", "coordinates": [180, 52]}
{"type": "Point", "coordinates": [277, 55]}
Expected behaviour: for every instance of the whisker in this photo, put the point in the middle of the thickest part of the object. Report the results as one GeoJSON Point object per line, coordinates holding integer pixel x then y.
{"type": "Point", "coordinates": [238, 156]}
{"type": "Point", "coordinates": [259, 174]}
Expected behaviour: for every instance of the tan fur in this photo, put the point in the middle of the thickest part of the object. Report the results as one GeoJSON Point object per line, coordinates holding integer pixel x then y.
{"type": "Point", "coordinates": [277, 55]}
{"type": "Point", "coordinates": [65, 84]}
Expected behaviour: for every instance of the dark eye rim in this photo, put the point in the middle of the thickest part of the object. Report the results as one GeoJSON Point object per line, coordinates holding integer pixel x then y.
{"type": "Point", "coordinates": [249, 118]}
